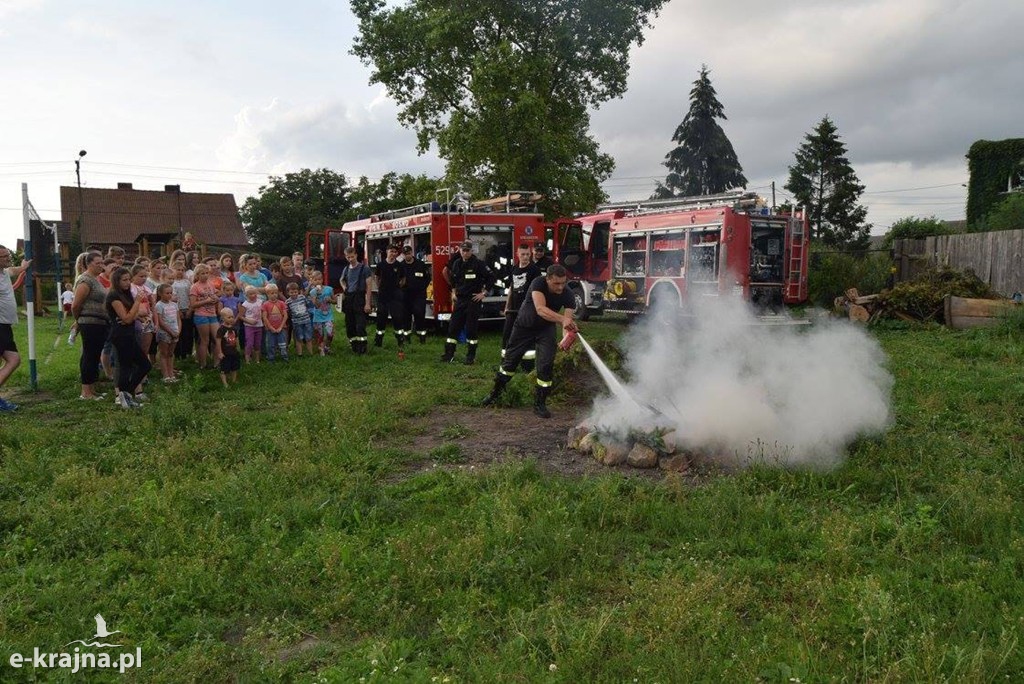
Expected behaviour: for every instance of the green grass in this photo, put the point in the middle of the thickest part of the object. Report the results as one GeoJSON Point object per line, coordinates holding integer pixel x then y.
{"type": "Point", "coordinates": [218, 529]}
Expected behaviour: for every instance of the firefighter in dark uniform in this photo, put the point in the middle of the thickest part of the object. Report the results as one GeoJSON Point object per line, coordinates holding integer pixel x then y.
{"type": "Point", "coordinates": [535, 327]}
{"type": "Point", "coordinates": [415, 278]}
{"type": "Point", "coordinates": [355, 300]}
{"type": "Point", "coordinates": [470, 279]}
{"type": "Point", "coordinates": [541, 258]}
{"type": "Point", "coordinates": [524, 272]}
{"type": "Point", "coordinates": [389, 297]}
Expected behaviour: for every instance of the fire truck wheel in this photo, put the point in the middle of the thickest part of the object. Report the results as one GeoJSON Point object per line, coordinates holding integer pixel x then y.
{"type": "Point", "coordinates": [580, 312]}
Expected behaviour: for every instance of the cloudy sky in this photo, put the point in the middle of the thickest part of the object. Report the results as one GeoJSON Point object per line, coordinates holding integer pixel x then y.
{"type": "Point", "coordinates": [217, 94]}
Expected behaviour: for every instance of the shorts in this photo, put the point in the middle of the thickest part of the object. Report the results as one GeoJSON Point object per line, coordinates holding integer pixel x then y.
{"type": "Point", "coordinates": [303, 332]}
{"type": "Point", "coordinates": [7, 338]}
{"type": "Point", "coordinates": [67, 309]}
{"type": "Point", "coordinates": [230, 363]}
{"type": "Point", "coordinates": [205, 320]}
{"type": "Point", "coordinates": [164, 337]}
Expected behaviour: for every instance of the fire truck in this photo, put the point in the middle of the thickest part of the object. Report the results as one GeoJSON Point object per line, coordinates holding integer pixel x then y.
{"type": "Point", "coordinates": [628, 256]}
{"type": "Point", "coordinates": [435, 231]}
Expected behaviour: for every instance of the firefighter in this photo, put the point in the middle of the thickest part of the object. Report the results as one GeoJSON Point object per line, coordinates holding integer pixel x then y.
{"type": "Point", "coordinates": [470, 279]}
{"type": "Point", "coordinates": [389, 298]}
{"type": "Point", "coordinates": [524, 272]}
{"type": "Point", "coordinates": [535, 327]}
{"type": "Point", "coordinates": [415, 280]}
{"type": "Point", "coordinates": [355, 301]}
{"type": "Point", "coordinates": [541, 258]}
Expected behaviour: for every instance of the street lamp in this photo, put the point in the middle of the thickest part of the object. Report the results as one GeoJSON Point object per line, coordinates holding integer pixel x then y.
{"type": "Point", "coordinates": [81, 206]}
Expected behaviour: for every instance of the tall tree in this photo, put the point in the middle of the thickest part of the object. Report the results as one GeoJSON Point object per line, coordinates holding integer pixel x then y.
{"type": "Point", "coordinates": [704, 162]}
{"type": "Point", "coordinates": [278, 217]}
{"type": "Point", "coordinates": [504, 89]}
{"type": "Point", "coordinates": [823, 181]}
{"type": "Point", "coordinates": [393, 191]}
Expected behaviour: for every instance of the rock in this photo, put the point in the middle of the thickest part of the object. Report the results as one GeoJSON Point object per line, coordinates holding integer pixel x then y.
{"type": "Point", "coordinates": [674, 464]}
{"type": "Point", "coordinates": [642, 456]}
{"type": "Point", "coordinates": [586, 443]}
{"type": "Point", "coordinates": [671, 442]}
{"type": "Point", "coordinates": [615, 453]}
{"type": "Point", "coordinates": [576, 434]}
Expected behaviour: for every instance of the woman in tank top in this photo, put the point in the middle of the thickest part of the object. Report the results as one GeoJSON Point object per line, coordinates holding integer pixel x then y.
{"type": "Point", "coordinates": [93, 325]}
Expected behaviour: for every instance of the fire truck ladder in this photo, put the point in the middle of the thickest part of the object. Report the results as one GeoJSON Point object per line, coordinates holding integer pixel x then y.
{"type": "Point", "coordinates": [640, 207]}
{"type": "Point", "coordinates": [796, 257]}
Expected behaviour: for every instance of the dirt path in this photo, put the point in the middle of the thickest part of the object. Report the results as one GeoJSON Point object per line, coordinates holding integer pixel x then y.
{"type": "Point", "coordinates": [485, 436]}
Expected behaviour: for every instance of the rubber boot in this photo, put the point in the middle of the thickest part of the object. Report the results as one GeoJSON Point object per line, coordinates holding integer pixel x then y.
{"type": "Point", "coordinates": [527, 365]}
{"type": "Point", "coordinates": [423, 337]}
{"type": "Point", "coordinates": [355, 346]}
{"type": "Point", "coordinates": [449, 352]}
{"type": "Point", "coordinates": [363, 344]}
{"type": "Point", "coordinates": [471, 355]}
{"type": "Point", "coordinates": [500, 380]}
{"type": "Point", "coordinates": [378, 341]}
{"type": "Point", "coordinates": [540, 402]}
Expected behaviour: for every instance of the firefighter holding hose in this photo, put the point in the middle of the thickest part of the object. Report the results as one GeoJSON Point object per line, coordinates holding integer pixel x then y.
{"type": "Point", "coordinates": [535, 328]}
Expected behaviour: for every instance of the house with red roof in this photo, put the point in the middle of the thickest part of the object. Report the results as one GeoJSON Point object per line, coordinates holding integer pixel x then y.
{"type": "Point", "coordinates": [152, 222]}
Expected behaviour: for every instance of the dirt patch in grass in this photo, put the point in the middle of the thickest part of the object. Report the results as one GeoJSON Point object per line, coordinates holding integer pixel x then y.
{"type": "Point", "coordinates": [471, 438]}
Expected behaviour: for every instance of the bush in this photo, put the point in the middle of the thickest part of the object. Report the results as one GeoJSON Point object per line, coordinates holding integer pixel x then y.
{"type": "Point", "coordinates": [923, 297]}
{"type": "Point", "coordinates": [1008, 214]}
{"type": "Point", "coordinates": [915, 227]}
{"type": "Point", "coordinates": [831, 274]}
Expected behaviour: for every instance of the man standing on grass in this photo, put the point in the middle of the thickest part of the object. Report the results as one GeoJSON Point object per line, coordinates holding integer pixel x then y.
{"type": "Point", "coordinates": [535, 328]}
{"type": "Point", "coordinates": [470, 278]}
{"type": "Point", "coordinates": [8, 317]}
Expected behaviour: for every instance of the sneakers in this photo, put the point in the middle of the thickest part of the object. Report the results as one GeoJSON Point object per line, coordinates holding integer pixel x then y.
{"type": "Point", "coordinates": [126, 401]}
{"type": "Point", "coordinates": [171, 379]}
{"type": "Point", "coordinates": [6, 406]}
{"type": "Point", "coordinates": [95, 397]}
{"type": "Point", "coordinates": [72, 335]}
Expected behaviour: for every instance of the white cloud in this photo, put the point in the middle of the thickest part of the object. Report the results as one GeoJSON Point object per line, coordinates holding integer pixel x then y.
{"type": "Point", "coordinates": [344, 135]}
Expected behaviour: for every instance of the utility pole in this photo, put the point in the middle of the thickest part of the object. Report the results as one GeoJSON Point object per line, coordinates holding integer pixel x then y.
{"type": "Point", "coordinates": [81, 206]}
{"type": "Point", "coordinates": [773, 197]}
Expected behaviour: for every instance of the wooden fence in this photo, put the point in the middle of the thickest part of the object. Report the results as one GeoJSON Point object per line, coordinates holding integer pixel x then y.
{"type": "Point", "coordinates": [997, 257]}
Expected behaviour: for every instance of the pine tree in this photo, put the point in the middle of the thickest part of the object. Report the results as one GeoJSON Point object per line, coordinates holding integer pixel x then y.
{"type": "Point", "coordinates": [704, 162]}
{"type": "Point", "coordinates": [823, 181]}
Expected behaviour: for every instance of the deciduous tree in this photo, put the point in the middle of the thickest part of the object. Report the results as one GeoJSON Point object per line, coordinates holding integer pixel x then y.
{"type": "Point", "coordinates": [823, 181]}
{"type": "Point", "coordinates": [278, 217]}
{"type": "Point", "coordinates": [504, 89]}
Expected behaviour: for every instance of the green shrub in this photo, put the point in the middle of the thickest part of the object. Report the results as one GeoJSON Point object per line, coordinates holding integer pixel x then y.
{"type": "Point", "coordinates": [915, 227]}
{"type": "Point", "coordinates": [923, 296]}
{"type": "Point", "coordinates": [1008, 214]}
{"type": "Point", "coordinates": [831, 274]}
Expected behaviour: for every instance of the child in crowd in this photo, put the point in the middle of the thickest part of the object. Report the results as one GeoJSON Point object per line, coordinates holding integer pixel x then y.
{"type": "Point", "coordinates": [145, 330]}
{"type": "Point", "coordinates": [321, 297]}
{"type": "Point", "coordinates": [252, 322]}
{"type": "Point", "coordinates": [228, 298]}
{"type": "Point", "coordinates": [302, 323]}
{"type": "Point", "coordinates": [168, 329]}
{"type": "Point", "coordinates": [227, 347]}
{"type": "Point", "coordinates": [66, 299]}
{"type": "Point", "coordinates": [275, 320]}
{"type": "Point", "coordinates": [181, 287]}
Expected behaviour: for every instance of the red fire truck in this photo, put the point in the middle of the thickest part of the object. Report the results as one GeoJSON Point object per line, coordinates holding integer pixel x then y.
{"type": "Point", "coordinates": [628, 256]}
{"type": "Point", "coordinates": [496, 227]}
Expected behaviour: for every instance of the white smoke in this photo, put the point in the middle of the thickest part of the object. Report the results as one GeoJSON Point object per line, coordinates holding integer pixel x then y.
{"type": "Point", "coordinates": [739, 392]}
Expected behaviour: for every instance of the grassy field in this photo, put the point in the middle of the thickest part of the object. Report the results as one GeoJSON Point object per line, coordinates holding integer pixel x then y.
{"type": "Point", "coordinates": [276, 531]}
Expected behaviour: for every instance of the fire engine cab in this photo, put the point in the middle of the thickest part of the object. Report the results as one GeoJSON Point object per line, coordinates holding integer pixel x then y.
{"type": "Point", "coordinates": [628, 256]}
{"type": "Point", "coordinates": [435, 230]}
